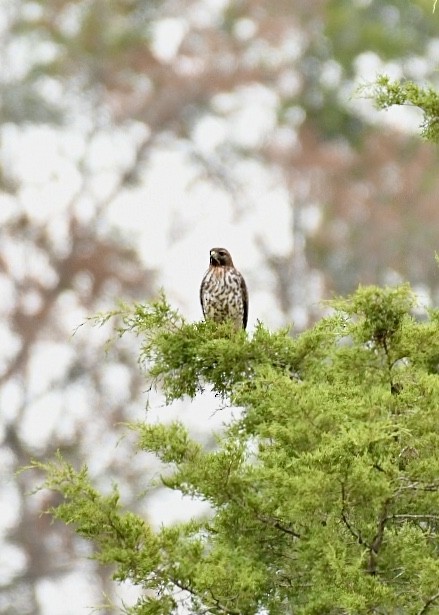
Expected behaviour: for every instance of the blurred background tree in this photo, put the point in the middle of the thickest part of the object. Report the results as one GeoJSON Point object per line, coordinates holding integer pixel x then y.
{"type": "Point", "coordinates": [254, 103]}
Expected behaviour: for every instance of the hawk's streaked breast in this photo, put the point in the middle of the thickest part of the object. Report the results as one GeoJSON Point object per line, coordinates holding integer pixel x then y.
{"type": "Point", "coordinates": [223, 292]}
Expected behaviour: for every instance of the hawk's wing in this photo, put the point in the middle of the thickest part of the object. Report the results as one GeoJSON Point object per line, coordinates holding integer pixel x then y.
{"type": "Point", "coordinates": [202, 293]}
{"type": "Point", "coordinates": [244, 293]}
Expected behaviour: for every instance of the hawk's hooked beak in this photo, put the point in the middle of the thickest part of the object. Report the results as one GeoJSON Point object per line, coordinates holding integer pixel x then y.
{"type": "Point", "coordinates": [214, 257]}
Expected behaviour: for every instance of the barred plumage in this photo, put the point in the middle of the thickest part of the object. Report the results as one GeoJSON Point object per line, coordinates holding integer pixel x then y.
{"type": "Point", "coordinates": [223, 292]}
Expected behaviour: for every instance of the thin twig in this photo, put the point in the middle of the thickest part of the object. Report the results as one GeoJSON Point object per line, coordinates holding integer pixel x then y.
{"type": "Point", "coordinates": [414, 517]}
{"type": "Point", "coordinates": [418, 486]}
{"type": "Point", "coordinates": [428, 604]}
{"type": "Point", "coordinates": [378, 538]}
{"type": "Point", "coordinates": [355, 533]}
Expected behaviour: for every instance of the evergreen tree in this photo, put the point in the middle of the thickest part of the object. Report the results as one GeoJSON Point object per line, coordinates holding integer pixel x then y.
{"type": "Point", "coordinates": [324, 490]}
{"type": "Point", "coordinates": [387, 92]}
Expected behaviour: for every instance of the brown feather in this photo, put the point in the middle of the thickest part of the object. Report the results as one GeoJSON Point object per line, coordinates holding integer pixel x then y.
{"type": "Point", "coordinates": [223, 291]}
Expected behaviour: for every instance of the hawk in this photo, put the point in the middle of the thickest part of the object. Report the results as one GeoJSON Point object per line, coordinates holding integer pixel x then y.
{"type": "Point", "coordinates": [223, 292]}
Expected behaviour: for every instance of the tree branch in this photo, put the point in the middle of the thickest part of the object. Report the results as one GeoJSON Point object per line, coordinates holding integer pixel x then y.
{"type": "Point", "coordinates": [378, 538]}
{"type": "Point", "coordinates": [418, 486]}
{"type": "Point", "coordinates": [344, 517]}
{"type": "Point", "coordinates": [277, 525]}
{"type": "Point", "coordinates": [413, 517]}
{"type": "Point", "coordinates": [428, 604]}
{"type": "Point", "coordinates": [188, 588]}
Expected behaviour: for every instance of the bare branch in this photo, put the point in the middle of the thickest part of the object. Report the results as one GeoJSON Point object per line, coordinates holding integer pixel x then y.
{"type": "Point", "coordinates": [428, 604]}
{"type": "Point", "coordinates": [278, 525]}
{"type": "Point", "coordinates": [188, 588]}
{"type": "Point", "coordinates": [419, 486]}
{"type": "Point", "coordinates": [379, 536]}
{"type": "Point", "coordinates": [413, 518]}
{"type": "Point", "coordinates": [344, 517]}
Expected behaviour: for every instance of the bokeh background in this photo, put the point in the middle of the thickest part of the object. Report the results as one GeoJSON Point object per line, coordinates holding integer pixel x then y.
{"type": "Point", "coordinates": [136, 135]}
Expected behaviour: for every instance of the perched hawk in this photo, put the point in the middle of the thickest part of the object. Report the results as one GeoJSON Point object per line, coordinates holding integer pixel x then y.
{"type": "Point", "coordinates": [223, 292]}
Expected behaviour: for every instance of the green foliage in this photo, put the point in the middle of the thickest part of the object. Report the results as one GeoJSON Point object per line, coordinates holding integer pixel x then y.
{"type": "Point", "coordinates": [182, 358]}
{"type": "Point", "coordinates": [118, 536]}
{"type": "Point", "coordinates": [394, 30]}
{"type": "Point", "coordinates": [324, 492]}
{"type": "Point", "coordinates": [386, 93]}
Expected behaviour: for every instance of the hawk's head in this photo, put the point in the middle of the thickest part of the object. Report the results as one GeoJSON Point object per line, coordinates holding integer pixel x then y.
{"type": "Point", "coordinates": [220, 257]}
